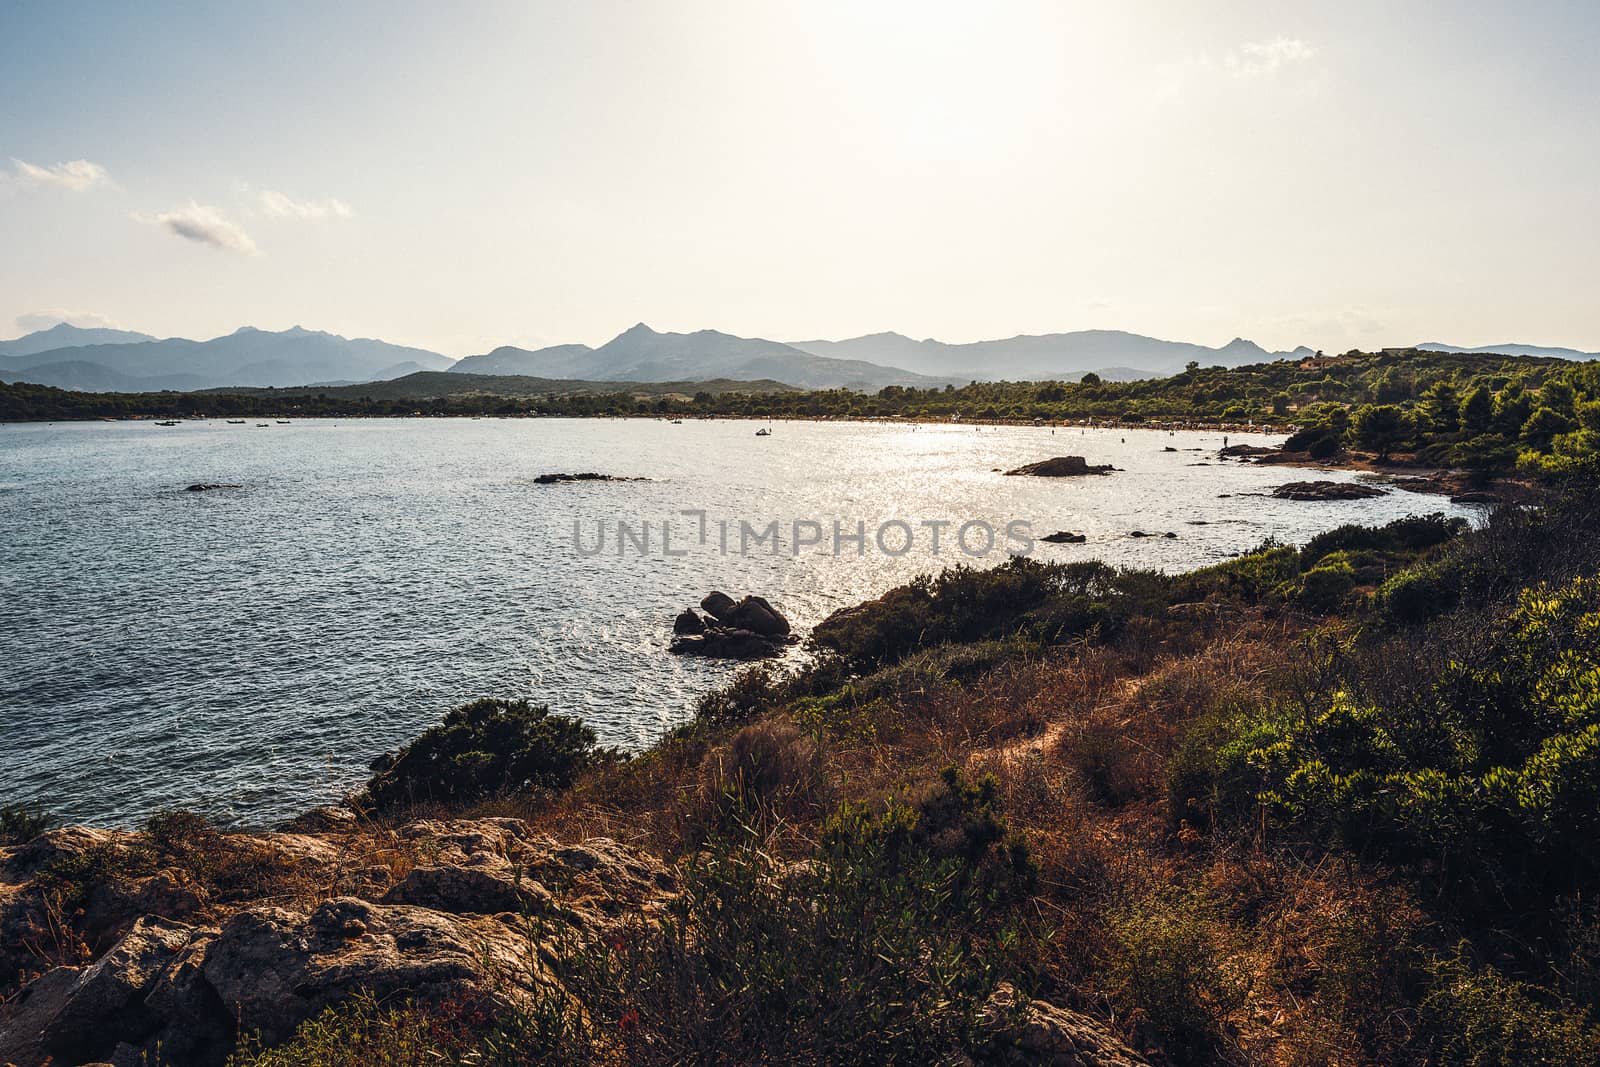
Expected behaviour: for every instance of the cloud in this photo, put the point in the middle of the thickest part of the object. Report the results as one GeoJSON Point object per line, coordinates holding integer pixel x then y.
{"type": "Point", "coordinates": [1257, 58]}
{"type": "Point", "coordinates": [43, 320]}
{"type": "Point", "coordinates": [205, 225]}
{"type": "Point", "coordinates": [282, 206]}
{"type": "Point", "coordinates": [76, 175]}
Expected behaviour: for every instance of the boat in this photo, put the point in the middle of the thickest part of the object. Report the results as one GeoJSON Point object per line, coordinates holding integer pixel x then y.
{"type": "Point", "coordinates": [677, 422]}
{"type": "Point", "coordinates": [261, 426]}
{"type": "Point", "coordinates": [235, 422]}
{"type": "Point", "coordinates": [764, 432]}
{"type": "Point", "coordinates": [283, 422]}
{"type": "Point", "coordinates": [168, 422]}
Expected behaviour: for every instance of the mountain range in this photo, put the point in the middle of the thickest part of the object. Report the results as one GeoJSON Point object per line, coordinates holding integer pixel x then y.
{"type": "Point", "coordinates": [105, 360]}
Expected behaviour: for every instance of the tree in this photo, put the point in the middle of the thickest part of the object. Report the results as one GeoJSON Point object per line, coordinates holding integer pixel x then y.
{"type": "Point", "coordinates": [1090, 379]}
{"type": "Point", "coordinates": [1380, 427]}
{"type": "Point", "coordinates": [1477, 411]}
{"type": "Point", "coordinates": [1543, 426]}
{"type": "Point", "coordinates": [1442, 408]}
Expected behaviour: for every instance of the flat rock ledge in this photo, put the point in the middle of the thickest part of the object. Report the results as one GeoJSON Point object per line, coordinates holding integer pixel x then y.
{"type": "Point", "coordinates": [1327, 491]}
{"type": "Point", "coordinates": [1061, 467]}
{"type": "Point", "coordinates": [587, 476]}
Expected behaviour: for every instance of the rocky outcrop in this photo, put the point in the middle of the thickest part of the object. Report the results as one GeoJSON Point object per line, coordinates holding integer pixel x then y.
{"type": "Point", "coordinates": [744, 629]}
{"type": "Point", "coordinates": [1031, 1032]}
{"type": "Point", "coordinates": [454, 923]}
{"type": "Point", "coordinates": [207, 487]}
{"type": "Point", "coordinates": [1062, 467]}
{"type": "Point", "coordinates": [588, 476]}
{"type": "Point", "coordinates": [1064, 537]}
{"type": "Point", "coordinates": [1324, 490]}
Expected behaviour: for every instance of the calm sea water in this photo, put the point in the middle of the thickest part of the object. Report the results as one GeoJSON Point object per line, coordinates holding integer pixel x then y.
{"type": "Point", "coordinates": [247, 651]}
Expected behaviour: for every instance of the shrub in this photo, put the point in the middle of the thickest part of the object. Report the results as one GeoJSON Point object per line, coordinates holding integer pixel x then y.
{"type": "Point", "coordinates": [768, 766]}
{"type": "Point", "coordinates": [1480, 1018]}
{"type": "Point", "coordinates": [879, 949]}
{"type": "Point", "coordinates": [20, 824]}
{"type": "Point", "coordinates": [1168, 963]}
{"type": "Point", "coordinates": [485, 749]}
{"type": "Point", "coordinates": [359, 1032]}
{"type": "Point", "coordinates": [1325, 586]}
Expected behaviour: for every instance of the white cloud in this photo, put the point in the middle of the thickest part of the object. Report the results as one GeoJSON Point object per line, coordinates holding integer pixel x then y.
{"type": "Point", "coordinates": [205, 225]}
{"type": "Point", "coordinates": [1256, 58]}
{"type": "Point", "coordinates": [43, 320]}
{"type": "Point", "coordinates": [282, 206]}
{"type": "Point", "coordinates": [76, 175]}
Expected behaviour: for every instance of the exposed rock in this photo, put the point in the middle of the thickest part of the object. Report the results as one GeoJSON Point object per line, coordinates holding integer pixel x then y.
{"type": "Point", "coordinates": [322, 820]}
{"type": "Point", "coordinates": [1064, 537]}
{"type": "Point", "coordinates": [1247, 451]}
{"type": "Point", "coordinates": [753, 613]}
{"type": "Point", "coordinates": [1324, 490]}
{"type": "Point", "coordinates": [716, 604]}
{"type": "Point", "coordinates": [1032, 1032]}
{"type": "Point", "coordinates": [206, 487]}
{"type": "Point", "coordinates": [76, 1014]}
{"type": "Point", "coordinates": [746, 629]}
{"type": "Point", "coordinates": [1062, 467]}
{"type": "Point", "coordinates": [688, 623]}
{"type": "Point", "coordinates": [273, 968]}
{"type": "Point", "coordinates": [588, 476]}
{"type": "Point", "coordinates": [484, 885]}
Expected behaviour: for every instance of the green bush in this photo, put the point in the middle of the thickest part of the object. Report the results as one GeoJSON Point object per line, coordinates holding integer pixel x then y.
{"type": "Point", "coordinates": [1169, 963]}
{"type": "Point", "coordinates": [485, 749]}
{"type": "Point", "coordinates": [1490, 775]}
{"type": "Point", "coordinates": [20, 824]}
{"type": "Point", "coordinates": [1480, 1018]}
{"type": "Point", "coordinates": [1324, 587]}
{"type": "Point", "coordinates": [359, 1032]}
{"type": "Point", "coordinates": [879, 948]}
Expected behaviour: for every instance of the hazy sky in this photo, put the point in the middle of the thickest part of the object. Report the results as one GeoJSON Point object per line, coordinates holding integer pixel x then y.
{"type": "Point", "coordinates": [464, 175]}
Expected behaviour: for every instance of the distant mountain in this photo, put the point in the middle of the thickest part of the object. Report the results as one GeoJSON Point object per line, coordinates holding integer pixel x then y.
{"type": "Point", "coordinates": [1514, 350]}
{"type": "Point", "coordinates": [1109, 353]}
{"type": "Point", "coordinates": [559, 361]}
{"type": "Point", "coordinates": [645, 355]}
{"type": "Point", "coordinates": [246, 357]}
{"type": "Point", "coordinates": [63, 335]}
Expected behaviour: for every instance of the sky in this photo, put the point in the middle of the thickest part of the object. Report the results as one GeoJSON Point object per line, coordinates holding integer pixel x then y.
{"type": "Point", "coordinates": [461, 176]}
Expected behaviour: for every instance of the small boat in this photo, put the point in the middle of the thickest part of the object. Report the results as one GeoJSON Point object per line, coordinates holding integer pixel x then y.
{"type": "Point", "coordinates": [764, 432]}
{"type": "Point", "coordinates": [168, 422]}
{"type": "Point", "coordinates": [677, 422]}
{"type": "Point", "coordinates": [262, 426]}
{"type": "Point", "coordinates": [235, 422]}
{"type": "Point", "coordinates": [283, 422]}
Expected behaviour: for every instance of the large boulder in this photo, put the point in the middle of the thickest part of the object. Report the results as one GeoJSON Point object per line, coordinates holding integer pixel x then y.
{"type": "Point", "coordinates": [753, 613]}
{"type": "Point", "coordinates": [79, 1014]}
{"type": "Point", "coordinates": [1062, 467]}
{"type": "Point", "coordinates": [1031, 1032]}
{"type": "Point", "coordinates": [272, 968]}
{"type": "Point", "coordinates": [688, 623]}
{"type": "Point", "coordinates": [716, 604]}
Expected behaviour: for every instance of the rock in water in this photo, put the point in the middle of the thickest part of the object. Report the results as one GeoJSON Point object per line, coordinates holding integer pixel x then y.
{"type": "Point", "coordinates": [717, 604]}
{"type": "Point", "coordinates": [753, 613]}
{"type": "Point", "coordinates": [1326, 491]}
{"type": "Point", "coordinates": [746, 629]}
{"type": "Point", "coordinates": [1062, 467]}
{"type": "Point", "coordinates": [1064, 537]}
